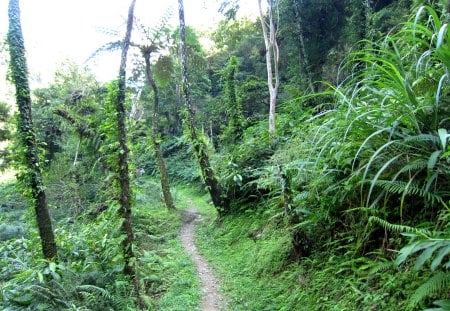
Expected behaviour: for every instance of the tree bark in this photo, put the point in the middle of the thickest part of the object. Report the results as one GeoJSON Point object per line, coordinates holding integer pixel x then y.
{"type": "Point", "coordinates": [30, 157]}
{"type": "Point", "coordinates": [272, 56]}
{"type": "Point", "coordinates": [164, 176]}
{"type": "Point", "coordinates": [123, 170]}
{"type": "Point", "coordinates": [199, 145]}
{"type": "Point", "coordinates": [303, 55]}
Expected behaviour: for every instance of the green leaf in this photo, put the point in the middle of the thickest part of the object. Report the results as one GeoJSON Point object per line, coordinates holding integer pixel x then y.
{"type": "Point", "coordinates": [442, 253]}
{"type": "Point", "coordinates": [426, 255]}
{"type": "Point", "coordinates": [441, 35]}
{"type": "Point", "coordinates": [24, 300]}
{"type": "Point", "coordinates": [443, 137]}
{"type": "Point", "coordinates": [405, 252]}
{"type": "Point", "coordinates": [433, 159]}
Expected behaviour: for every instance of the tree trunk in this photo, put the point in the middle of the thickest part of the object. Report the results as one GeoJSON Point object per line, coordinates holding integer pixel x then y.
{"type": "Point", "coordinates": [164, 176]}
{"type": "Point", "coordinates": [123, 171]}
{"type": "Point", "coordinates": [199, 145]}
{"type": "Point", "coordinates": [272, 56]}
{"type": "Point", "coordinates": [29, 157]}
{"type": "Point", "coordinates": [303, 55]}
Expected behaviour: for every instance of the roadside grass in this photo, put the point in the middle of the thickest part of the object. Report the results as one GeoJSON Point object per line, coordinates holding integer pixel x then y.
{"type": "Point", "coordinates": [188, 196]}
{"type": "Point", "coordinates": [169, 275]}
{"type": "Point", "coordinates": [251, 255]}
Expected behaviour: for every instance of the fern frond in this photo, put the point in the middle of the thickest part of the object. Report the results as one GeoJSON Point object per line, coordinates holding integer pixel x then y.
{"type": "Point", "coordinates": [93, 289]}
{"type": "Point", "coordinates": [422, 138]}
{"type": "Point", "coordinates": [437, 284]}
{"type": "Point", "coordinates": [108, 47]}
{"type": "Point", "coordinates": [415, 165]}
{"type": "Point", "coordinates": [397, 228]}
{"type": "Point", "coordinates": [381, 267]}
{"type": "Point", "coordinates": [408, 188]}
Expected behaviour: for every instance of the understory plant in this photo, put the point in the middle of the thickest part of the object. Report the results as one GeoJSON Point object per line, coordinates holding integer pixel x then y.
{"type": "Point", "coordinates": [376, 146]}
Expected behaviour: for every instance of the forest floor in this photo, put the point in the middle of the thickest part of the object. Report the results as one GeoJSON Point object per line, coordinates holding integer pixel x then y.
{"type": "Point", "coordinates": [212, 299]}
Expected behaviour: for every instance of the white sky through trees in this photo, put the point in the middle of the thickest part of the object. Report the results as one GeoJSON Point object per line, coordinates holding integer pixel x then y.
{"type": "Point", "coordinates": [59, 30]}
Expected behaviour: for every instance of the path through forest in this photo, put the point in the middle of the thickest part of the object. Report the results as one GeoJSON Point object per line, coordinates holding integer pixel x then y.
{"type": "Point", "coordinates": [212, 300]}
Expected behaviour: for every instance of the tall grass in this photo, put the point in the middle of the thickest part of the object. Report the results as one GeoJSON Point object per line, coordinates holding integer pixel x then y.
{"type": "Point", "coordinates": [383, 145]}
{"type": "Point", "coordinates": [379, 148]}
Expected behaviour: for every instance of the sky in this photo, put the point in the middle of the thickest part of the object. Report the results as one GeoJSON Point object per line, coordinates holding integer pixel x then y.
{"type": "Point", "coordinates": [59, 30]}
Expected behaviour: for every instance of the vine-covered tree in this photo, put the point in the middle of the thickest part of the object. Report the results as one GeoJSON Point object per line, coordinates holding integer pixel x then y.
{"type": "Point", "coordinates": [29, 156]}
{"type": "Point", "coordinates": [233, 133]}
{"type": "Point", "coordinates": [198, 143]}
{"type": "Point", "coordinates": [153, 44]}
{"type": "Point", "coordinates": [164, 176]}
{"type": "Point", "coordinates": [123, 171]}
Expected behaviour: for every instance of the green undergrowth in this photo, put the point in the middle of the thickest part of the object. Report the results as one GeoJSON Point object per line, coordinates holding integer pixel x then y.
{"type": "Point", "coordinates": [189, 196]}
{"type": "Point", "coordinates": [88, 274]}
{"type": "Point", "coordinates": [168, 274]}
{"type": "Point", "coordinates": [251, 253]}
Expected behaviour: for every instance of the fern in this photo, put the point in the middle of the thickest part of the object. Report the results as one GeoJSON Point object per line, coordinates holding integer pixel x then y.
{"type": "Point", "coordinates": [398, 228]}
{"type": "Point", "coordinates": [415, 165]}
{"type": "Point", "coordinates": [92, 293]}
{"type": "Point", "coordinates": [408, 188]}
{"type": "Point", "coordinates": [437, 284]}
{"type": "Point", "coordinates": [381, 267]}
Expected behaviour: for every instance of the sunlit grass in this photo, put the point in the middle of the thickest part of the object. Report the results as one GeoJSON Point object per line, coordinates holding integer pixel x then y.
{"type": "Point", "coordinates": [193, 197]}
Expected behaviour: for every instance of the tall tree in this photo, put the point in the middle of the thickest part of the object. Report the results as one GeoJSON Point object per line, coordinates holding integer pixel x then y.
{"type": "Point", "coordinates": [200, 148]}
{"type": "Point", "coordinates": [30, 156]}
{"type": "Point", "coordinates": [272, 58]}
{"type": "Point", "coordinates": [123, 171]}
{"type": "Point", "coordinates": [164, 176]}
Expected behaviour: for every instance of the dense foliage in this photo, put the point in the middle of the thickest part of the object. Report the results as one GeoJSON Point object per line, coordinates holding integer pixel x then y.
{"type": "Point", "coordinates": [344, 207]}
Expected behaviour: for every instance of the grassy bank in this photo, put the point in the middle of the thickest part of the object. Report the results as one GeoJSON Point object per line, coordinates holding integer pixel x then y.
{"type": "Point", "coordinates": [251, 254]}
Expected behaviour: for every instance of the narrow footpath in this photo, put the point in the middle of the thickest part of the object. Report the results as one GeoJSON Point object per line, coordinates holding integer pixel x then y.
{"type": "Point", "coordinates": [212, 300]}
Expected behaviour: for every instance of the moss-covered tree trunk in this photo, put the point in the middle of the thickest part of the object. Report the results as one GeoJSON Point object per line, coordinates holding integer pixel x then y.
{"type": "Point", "coordinates": [164, 176]}
{"type": "Point", "coordinates": [236, 121]}
{"type": "Point", "coordinates": [30, 157]}
{"type": "Point", "coordinates": [198, 143]}
{"type": "Point", "coordinates": [123, 170]}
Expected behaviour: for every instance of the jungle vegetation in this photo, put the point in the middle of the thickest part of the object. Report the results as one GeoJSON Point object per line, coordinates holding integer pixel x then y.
{"type": "Point", "coordinates": [314, 139]}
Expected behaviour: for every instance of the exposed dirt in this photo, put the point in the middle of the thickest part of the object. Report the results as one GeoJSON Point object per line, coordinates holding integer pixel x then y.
{"type": "Point", "coordinates": [212, 300]}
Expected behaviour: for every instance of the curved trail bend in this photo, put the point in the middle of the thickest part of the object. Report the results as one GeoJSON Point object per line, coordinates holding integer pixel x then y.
{"type": "Point", "coordinates": [212, 300]}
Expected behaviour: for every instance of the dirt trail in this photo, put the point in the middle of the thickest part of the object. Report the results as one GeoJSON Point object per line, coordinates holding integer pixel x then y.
{"type": "Point", "coordinates": [212, 300]}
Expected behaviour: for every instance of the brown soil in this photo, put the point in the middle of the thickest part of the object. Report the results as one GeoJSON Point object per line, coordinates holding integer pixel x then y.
{"type": "Point", "coordinates": [212, 300]}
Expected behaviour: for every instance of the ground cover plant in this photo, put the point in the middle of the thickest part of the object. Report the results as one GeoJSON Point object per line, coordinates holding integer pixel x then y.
{"type": "Point", "coordinates": [341, 204]}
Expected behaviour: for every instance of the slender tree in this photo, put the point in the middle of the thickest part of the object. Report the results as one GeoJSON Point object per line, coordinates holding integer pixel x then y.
{"type": "Point", "coordinates": [272, 58]}
{"type": "Point", "coordinates": [164, 176]}
{"type": "Point", "coordinates": [30, 157]}
{"type": "Point", "coordinates": [200, 148]}
{"type": "Point", "coordinates": [123, 171]}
